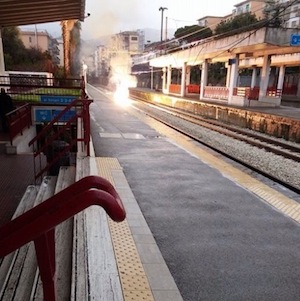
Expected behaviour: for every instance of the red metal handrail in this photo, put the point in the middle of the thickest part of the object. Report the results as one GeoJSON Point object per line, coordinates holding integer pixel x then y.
{"type": "Point", "coordinates": [82, 113]}
{"type": "Point", "coordinates": [38, 223]}
{"type": "Point", "coordinates": [18, 120]}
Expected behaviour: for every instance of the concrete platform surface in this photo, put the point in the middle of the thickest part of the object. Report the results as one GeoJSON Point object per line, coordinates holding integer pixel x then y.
{"type": "Point", "coordinates": [196, 229]}
{"type": "Point", "coordinates": [222, 234]}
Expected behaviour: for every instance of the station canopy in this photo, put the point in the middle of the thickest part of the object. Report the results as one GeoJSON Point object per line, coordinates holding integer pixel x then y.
{"type": "Point", "coordinates": [27, 12]}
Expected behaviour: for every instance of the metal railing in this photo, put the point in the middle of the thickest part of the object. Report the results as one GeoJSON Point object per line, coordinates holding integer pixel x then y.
{"type": "Point", "coordinates": [253, 93]}
{"type": "Point", "coordinates": [214, 92]}
{"type": "Point", "coordinates": [38, 224]}
{"type": "Point", "coordinates": [54, 132]}
{"type": "Point", "coordinates": [24, 88]}
{"type": "Point", "coordinates": [18, 120]}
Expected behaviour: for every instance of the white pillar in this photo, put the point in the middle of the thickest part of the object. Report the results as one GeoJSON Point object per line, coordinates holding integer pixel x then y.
{"type": "Point", "coordinates": [164, 80]}
{"type": "Point", "coordinates": [254, 77]}
{"type": "Point", "coordinates": [228, 67]}
{"type": "Point", "coordinates": [265, 74]}
{"type": "Point", "coordinates": [183, 80]}
{"type": "Point", "coordinates": [2, 65]}
{"type": "Point", "coordinates": [151, 87]}
{"type": "Point", "coordinates": [281, 78]}
{"type": "Point", "coordinates": [188, 75]}
{"type": "Point", "coordinates": [169, 78]}
{"type": "Point", "coordinates": [298, 88]}
{"type": "Point", "coordinates": [233, 76]}
{"type": "Point", "coordinates": [204, 73]}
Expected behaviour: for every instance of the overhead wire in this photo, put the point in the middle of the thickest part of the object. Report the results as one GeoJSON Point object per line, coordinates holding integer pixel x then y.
{"type": "Point", "coordinates": [264, 23]}
{"type": "Point", "coordinates": [216, 36]}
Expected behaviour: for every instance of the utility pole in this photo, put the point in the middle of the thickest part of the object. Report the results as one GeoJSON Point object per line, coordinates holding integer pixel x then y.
{"type": "Point", "coordinates": [162, 23]}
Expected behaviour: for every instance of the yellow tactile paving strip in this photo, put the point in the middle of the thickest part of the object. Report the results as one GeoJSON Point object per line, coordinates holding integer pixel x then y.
{"type": "Point", "coordinates": [134, 282]}
{"type": "Point", "coordinates": [269, 195]}
{"type": "Point", "coordinates": [279, 201]}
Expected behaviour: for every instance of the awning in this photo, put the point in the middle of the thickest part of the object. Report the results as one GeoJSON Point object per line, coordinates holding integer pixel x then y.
{"type": "Point", "coordinates": [26, 12]}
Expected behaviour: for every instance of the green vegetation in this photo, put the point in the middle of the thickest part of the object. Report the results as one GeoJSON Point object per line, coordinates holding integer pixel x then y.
{"type": "Point", "coordinates": [192, 33]}
{"type": "Point", "coordinates": [242, 22]}
{"type": "Point", "coordinates": [19, 58]}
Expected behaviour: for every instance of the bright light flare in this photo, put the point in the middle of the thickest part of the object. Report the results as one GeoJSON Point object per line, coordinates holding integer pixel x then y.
{"type": "Point", "coordinates": [121, 96]}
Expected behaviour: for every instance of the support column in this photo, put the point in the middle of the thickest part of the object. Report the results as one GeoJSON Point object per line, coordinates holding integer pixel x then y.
{"type": "Point", "coordinates": [265, 74]}
{"type": "Point", "coordinates": [188, 75]}
{"type": "Point", "coordinates": [164, 80]}
{"type": "Point", "coordinates": [254, 77]}
{"type": "Point", "coordinates": [233, 76]}
{"type": "Point", "coordinates": [151, 83]}
{"type": "Point", "coordinates": [298, 88]}
{"type": "Point", "coordinates": [281, 78]}
{"type": "Point", "coordinates": [183, 81]}
{"type": "Point", "coordinates": [2, 64]}
{"type": "Point", "coordinates": [203, 81]}
{"type": "Point", "coordinates": [228, 67]}
{"type": "Point", "coordinates": [169, 78]}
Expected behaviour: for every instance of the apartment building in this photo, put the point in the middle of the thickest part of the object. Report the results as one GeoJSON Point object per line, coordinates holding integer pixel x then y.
{"type": "Point", "coordinates": [210, 21]}
{"type": "Point", "coordinates": [126, 42]}
{"type": "Point", "coordinates": [41, 39]}
{"type": "Point", "coordinates": [254, 7]}
{"type": "Point", "coordinates": [290, 14]}
{"type": "Point", "coordinates": [101, 60]}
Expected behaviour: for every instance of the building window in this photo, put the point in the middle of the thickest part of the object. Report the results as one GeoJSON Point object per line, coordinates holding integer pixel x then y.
{"type": "Point", "coordinates": [134, 38]}
{"type": "Point", "coordinates": [294, 24]}
{"type": "Point", "coordinates": [30, 40]}
{"type": "Point", "coordinates": [247, 7]}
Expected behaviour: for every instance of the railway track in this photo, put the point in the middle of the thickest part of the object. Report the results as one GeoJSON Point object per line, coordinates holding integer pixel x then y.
{"type": "Point", "coordinates": [179, 121]}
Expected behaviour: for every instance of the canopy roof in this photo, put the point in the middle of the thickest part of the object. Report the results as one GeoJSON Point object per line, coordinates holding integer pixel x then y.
{"type": "Point", "coordinates": [26, 12]}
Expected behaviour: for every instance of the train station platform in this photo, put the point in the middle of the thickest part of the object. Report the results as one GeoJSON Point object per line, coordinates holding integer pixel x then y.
{"type": "Point", "coordinates": [223, 234]}
{"type": "Point", "coordinates": [278, 121]}
{"type": "Point", "coordinates": [197, 228]}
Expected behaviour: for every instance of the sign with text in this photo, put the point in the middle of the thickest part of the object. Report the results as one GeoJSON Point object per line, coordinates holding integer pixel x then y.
{"type": "Point", "coordinates": [56, 99]}
{"type": "Point", "coordinates": [295, 40]}
{"type": "Point", "coordinates": [47, 114]}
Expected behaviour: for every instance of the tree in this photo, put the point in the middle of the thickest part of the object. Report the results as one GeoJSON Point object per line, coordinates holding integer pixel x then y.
{"type": "Point", "coordinates": [192, 33]}
{"type": "Point", "coordinates": [13, 47]}
{"type": "Point", "coordinates": [275, 13]}
{"type": "Point", "coordinates": [19, 58]}
{"type": "Point", "coordinates": [75, 49]}
{"type": "Point", "coordinates": [71, 40]}
{"type": "Point", "coordinates": [238, 22]}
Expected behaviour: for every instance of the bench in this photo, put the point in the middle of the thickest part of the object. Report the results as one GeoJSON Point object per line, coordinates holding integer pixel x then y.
{"type": "Point", "coordinates": [19, 275]}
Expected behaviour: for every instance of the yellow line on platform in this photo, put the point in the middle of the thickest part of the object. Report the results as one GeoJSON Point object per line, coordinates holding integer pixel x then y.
{"type": "Point", "coordinates": [276, 199]}
{"type": "Point", "coordinates": [133, 278]}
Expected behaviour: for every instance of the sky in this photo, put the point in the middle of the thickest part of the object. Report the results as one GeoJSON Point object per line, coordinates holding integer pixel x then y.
{"type": "Point", "coordinates": [112, 16]}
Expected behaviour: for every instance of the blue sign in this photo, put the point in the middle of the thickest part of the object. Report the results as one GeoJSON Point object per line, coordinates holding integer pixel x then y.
{"type": "Point", "coordinates": [56, 99]}
{"type": "Point", "coordinates": [65, 117]}
{"type": "Point", "coordinates": [42, 115]}
{"type": "Point", "coordinates": [295, 40]}
{"type": "Point", "coordinates": [46, 115]}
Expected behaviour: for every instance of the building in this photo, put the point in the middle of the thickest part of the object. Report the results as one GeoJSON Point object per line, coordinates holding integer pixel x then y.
{"type": "Point", "coordinates": [210, 21]}
{"type": "Point", "coordinates": [292, 13]}
{"type": "Point", "coordinates": [61, 52]}
{"type": "Point", "coordinates": [129, 42]}
{"type": "Point", "coordinates": [101, 61]}
{"type": "Point", "coordinates": [254, 7]}
{"type": "Point", "coordinates": [42, 40]}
